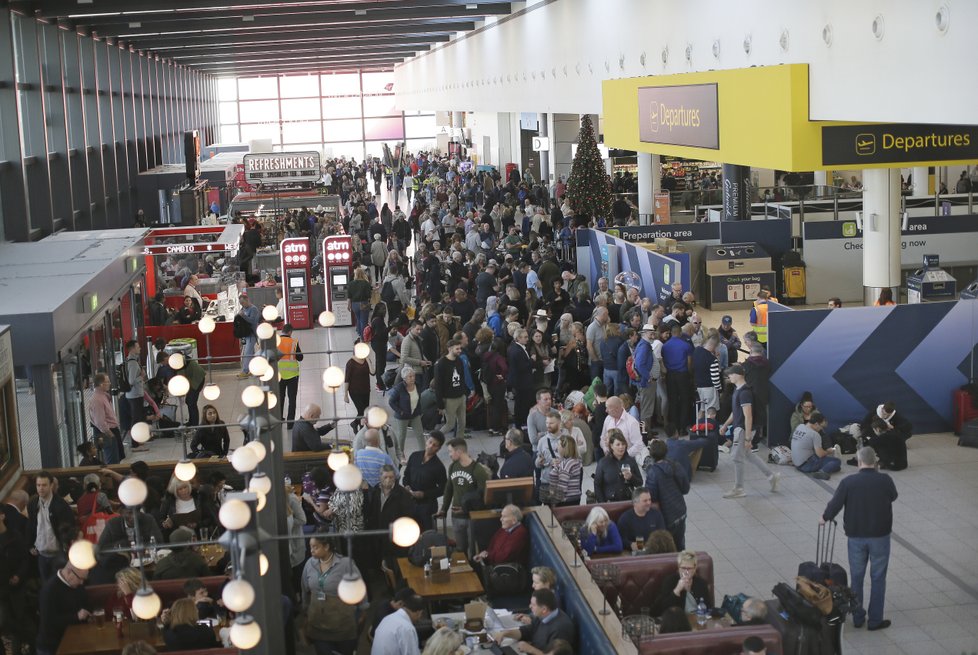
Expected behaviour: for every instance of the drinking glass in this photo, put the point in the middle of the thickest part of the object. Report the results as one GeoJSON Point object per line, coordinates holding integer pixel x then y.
{"type": "Point", "coordinates": [99, 615]}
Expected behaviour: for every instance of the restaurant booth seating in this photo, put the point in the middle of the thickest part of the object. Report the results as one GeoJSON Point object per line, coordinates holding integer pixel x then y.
{"type": "Point", "coordinates": [723, 641]}
{"type": "Point", "coordinates": [591, 637]}
{"type": "Point", "coordinates": [580, 512]}
{"type": "Point", "coordinates": [640, 579]}
{"type": "Point", "coordinates": [168, 590]}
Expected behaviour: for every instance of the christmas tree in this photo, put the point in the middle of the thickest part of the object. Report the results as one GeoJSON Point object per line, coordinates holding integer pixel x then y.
{"type": "Point", "coordinates": [589, 186]}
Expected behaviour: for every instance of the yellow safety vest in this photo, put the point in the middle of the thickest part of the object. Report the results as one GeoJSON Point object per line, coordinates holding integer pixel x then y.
{"type": "Point", "coordinates": [288, 365]}
{"type": "Point", "coordinates": [760, 325]}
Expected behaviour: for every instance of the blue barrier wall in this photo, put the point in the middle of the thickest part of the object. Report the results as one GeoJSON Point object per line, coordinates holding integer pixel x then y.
{"type": "Point", "coordinates": [657, 272]}
{"type": "Point", "coordinates": [852, 359]}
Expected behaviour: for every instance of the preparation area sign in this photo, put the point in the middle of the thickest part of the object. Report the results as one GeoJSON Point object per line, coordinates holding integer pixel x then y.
{"type": "Point", "coordinates": [282, 167]}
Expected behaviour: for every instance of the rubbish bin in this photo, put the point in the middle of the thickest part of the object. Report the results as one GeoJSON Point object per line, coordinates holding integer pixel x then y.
{"type": "Point", "coordinates": [735, 272]}
{"type": "Point", "coordinates": [931, 283]}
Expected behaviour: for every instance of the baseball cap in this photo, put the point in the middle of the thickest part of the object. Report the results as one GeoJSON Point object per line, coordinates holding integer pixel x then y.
{"type": "Point", "coordinates": [727, 320]}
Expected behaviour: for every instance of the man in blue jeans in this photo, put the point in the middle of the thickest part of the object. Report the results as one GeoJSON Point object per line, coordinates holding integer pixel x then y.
{"type": "Point", "coordinates": [807, 452]}
{"type": "Point", "coordinates": [867, 497]}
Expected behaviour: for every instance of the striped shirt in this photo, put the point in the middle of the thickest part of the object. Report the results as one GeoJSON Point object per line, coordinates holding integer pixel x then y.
{"type": "Point", "coordinates": [565, 479]}
{"type": "Point", "coordinates": [370, 460]}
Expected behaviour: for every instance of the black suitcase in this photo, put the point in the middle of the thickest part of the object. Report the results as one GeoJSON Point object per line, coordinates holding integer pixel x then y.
{"type": "Point", "coordinates": [709, 457]}
{"type": "Point", "coordinates": [800, 639]}
{"type": "Point", "coordinates": [824, 570]}
{"type": "Point", "coordinates": [969, 434]}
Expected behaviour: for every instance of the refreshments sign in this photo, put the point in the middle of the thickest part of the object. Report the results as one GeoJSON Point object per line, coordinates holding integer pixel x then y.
{"type": "Point", "coordinates": [282, 167]}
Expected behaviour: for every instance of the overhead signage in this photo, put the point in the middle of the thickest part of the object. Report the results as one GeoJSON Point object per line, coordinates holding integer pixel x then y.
{"type": "Point", "coordinates": [662, 204]}
{"type": "Point", "coordinates": [541, 143]}
{"type": "Point", "coordinates": [679, 232]}
{"type": "Point", "coordinates": [338, 249]}
{"type": "Point", "coordinates": [187, 248]}
{"type": "Point", "coordinates": [684, 115]}
{"type": "Point", "coordinates": [282, 167]}
{"type": "Point", "coordinates": [897, 143]}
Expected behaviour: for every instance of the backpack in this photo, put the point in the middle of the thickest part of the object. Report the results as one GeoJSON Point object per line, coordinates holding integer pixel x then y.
{"type": "Point", "coordinates": [780, 455]}
{"type": "Point", "coordinates": [368, 333]}
{"type": "Point", "coordinates": [630, 368]}
{"type": "Point", "coordinates": [387, 293]}
{"type": "Point", "coordinates": [796, 606]}
{"type": "Point", "coordinates": [241, 328]}
{"type": "Point", "coordinates": [420, 553]}
{"type": "Point", "coordinates": [122, 377]}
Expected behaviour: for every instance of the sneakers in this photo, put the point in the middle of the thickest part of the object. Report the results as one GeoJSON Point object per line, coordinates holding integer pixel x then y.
{"type": "Point", "coordinates": [882, 625]}
{"type": "Point", "coordinates": [242, 375]}
{"type": "Point", "coordinates": [754, 448]}
{"type": "Point", "coordinates": [724, 448]}
{"type": "Point", "coordinates": [774, 480]}
{"type": "Point", "coordinates": [736, 492]}
{"type": "Point", "coordinates": [852, 462]}
{"type": "Point", "coordinates": [820, 475]}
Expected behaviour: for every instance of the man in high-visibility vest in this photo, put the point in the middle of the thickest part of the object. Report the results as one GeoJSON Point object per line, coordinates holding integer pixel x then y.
{"type": "Point", "coordinates": [288, 371]}
{"type": "Point", "coordinates": [758, 316]}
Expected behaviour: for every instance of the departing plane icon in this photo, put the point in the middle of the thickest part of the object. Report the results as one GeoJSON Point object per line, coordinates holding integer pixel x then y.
{"type": "Point", "coordinates": [865, 144]}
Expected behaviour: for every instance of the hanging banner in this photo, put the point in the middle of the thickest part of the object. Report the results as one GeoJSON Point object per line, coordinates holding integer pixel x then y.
{"type": "Point", "coordinates": [662, 203]}
{"type": "Point", "coordinates": [282, 167]}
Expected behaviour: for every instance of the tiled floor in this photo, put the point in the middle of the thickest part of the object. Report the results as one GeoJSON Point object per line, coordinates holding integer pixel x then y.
{"type": "Point", "coordinates": [757, 541]}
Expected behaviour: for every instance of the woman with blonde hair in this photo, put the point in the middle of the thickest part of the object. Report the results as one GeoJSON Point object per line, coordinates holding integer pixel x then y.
{"type": "Point", "coordinates": [600, 534]}
{"type": "Point", "coordinates": [683, 589]}
{"type": "Point", "coordinates": [445, 641]}
{"type": "Point", "coordinates": [565, 474]}
{"type": "Point", "coordinates": [183, 632]}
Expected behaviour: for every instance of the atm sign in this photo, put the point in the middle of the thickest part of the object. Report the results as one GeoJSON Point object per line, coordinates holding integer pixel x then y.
{"type": "Point", "coordinates": [295, 251]}
{"type": "Point", "coordinates": [338, 249]}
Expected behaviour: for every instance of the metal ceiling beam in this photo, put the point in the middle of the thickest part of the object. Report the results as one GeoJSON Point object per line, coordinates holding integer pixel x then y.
{"type": "Point", "coordinates": [200, 63]}
{"type": "Point", "coordinates": [274, 63]}
{"type": "Point", "coordinates": [230, 24]}
{"type": "Point", "coordinates": [421, 42]}
{"type": "Point", "coordinates": [48, 8]}
{"type": "Point", "coordinates": [315, 67]}
{"type": "Point", "coordinates": [169, 21]}
{"type": "Point", "coordinates": [207, 38]}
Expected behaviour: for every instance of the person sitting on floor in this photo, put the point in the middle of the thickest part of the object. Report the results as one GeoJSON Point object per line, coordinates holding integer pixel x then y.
{"type": "Point", "coordinates": [638, 522]}
{"type": "Point", "coordinates": [896, 422]}
{"type": "Point", "coordinates": [599, 534]}
{"type": "Point", "coordinates": [890, 447]}
{"type": "Point", "coordinates": [807, 452]}
{"type": "Point", "coordinates": [510, 543]}
{"type": "Point", "coordinates": [683, 589]}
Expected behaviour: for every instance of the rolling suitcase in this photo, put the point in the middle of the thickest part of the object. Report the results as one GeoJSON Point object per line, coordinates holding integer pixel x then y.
{"type": "Point", "coordinates": [969, 435]}
{"type": "Point", "coordinates": [709, 457]}
{"type": "Point", "coordinates": [965, 407]}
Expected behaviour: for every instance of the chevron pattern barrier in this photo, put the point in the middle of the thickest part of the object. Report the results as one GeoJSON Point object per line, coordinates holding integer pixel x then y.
{"type": "Point", "coordinates": [852, 359]}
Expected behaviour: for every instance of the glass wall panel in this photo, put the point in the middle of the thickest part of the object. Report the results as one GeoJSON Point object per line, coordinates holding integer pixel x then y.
{"type": "Point", "coordinates": [379, 106]}
{"type": "Point", "coordinates": [299, 86]}
{"type": "Point", "coordinates": [383, 128]}
{"type": "Point", "coordinates": [341, 107]}
{"type": "Point", "coordinates": [382, 82]}
{"type": "Point", "coordinates": [301, 110]}
{"type": "Point", "coordinates": [420, 126]}
{"type": "Point", "coordinates": [230, 134]}
{"type": "Point", "coordinates": [349, 149]}
{"type": "Point", "coordinates": [343, 130]}
{"type": "Point", "coordinates": [258, 111]}
{"type": "Point", "coordinates": [342, 84]}
{"type": "Point", "coordinates": [261, 131]}
{"type": "Point", "coordinates": [257, 88]}
{"type": "Point", "coordinates": [301, 132]}
{"type": "Point", "coordinates": [229, 112]}
{"type": "Point", "coordinates": [227, 88]}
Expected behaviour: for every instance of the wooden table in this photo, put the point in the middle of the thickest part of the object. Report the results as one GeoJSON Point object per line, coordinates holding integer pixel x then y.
{"type": "Point", "coordinates": [89, 639]}
{"type": "Point", "coordinates": [724, 622]}
{"type": "Point", "coordinates": [460, 585]}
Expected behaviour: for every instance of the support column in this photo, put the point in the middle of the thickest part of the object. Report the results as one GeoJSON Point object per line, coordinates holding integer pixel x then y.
{"type": "Point", "coordinates": [646, 173]}
{"type": "Point", "coordinates": [542, 130]}
{"type": "Point", "coordinates": [566, 128]}
{"type": "Point", "coordinates": [881, 232]}
{"type": "Point", "coordinates": [821, 178]}
{"type": "Point", "coordinates": [736, 193]}
{"type": "Point", "coordinates": [921, 181]}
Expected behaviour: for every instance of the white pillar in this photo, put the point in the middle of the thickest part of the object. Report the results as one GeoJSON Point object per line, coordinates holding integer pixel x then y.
{"type": "Point", "coordinates": [881, 232]}
{"type": "Point", "coordinates": [921, 179]}
{"type": "Point", "coordinates": [543, 130]}
{"type": "Point", "coordinates": [821, 177]}
{"type": "Point", "coordinates": [656, 174]}
{"type": "Point", "coordinates": [646, 173]}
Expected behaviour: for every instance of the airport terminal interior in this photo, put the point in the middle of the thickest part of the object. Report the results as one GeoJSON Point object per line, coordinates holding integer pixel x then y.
{"type": "Point", "coordinates": [246, 247]}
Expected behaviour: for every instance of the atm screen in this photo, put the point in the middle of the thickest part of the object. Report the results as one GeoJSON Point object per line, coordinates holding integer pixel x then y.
{"type": "Point", "coordinates": [296, 282]}
{"type": "Point", "coordinates": [339, 279]}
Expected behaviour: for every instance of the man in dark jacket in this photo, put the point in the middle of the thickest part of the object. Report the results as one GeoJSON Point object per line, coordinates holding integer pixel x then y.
{"type": "Point", "coordinates": [757, 373]}
{"type": "Point", "coordinates": [548, 625]}
{"type": "Point", "coordinates": [520, 377]}
{"type": "Point", "coordinates": [184, 561]}
{"type": "Point", "coordinates": [61, 603]}
{"type": "Point", "coordinates": [519, 461]}
{"type": "Point", "coordinates": [305, 435]}
{"type": "Point", "coordinates": [386, 503]}
{"type": "Point", "coordinates": [51, 525]}
{"type": "Point", "coordinates": [867, 497]}
{"type": "Point", "coordinates": [668, 483]}
{"type": "Point", "coordinates": [425, 478]}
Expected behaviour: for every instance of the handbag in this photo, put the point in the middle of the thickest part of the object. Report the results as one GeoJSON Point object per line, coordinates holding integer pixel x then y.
{"type": "Point", "coordinates": [818, 595]}
{"type": "Point", "coordinates": [331, 620]}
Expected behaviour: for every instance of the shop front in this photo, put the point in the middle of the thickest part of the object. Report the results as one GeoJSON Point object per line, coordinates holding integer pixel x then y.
{"type": "Point", "coordinates": [72, 301]}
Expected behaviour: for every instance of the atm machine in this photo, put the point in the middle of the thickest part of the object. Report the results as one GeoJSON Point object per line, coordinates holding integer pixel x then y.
{"type": "Point", "coordinates": [338, 271]}
{"type": "Point", "coordinates": [296, 275]}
